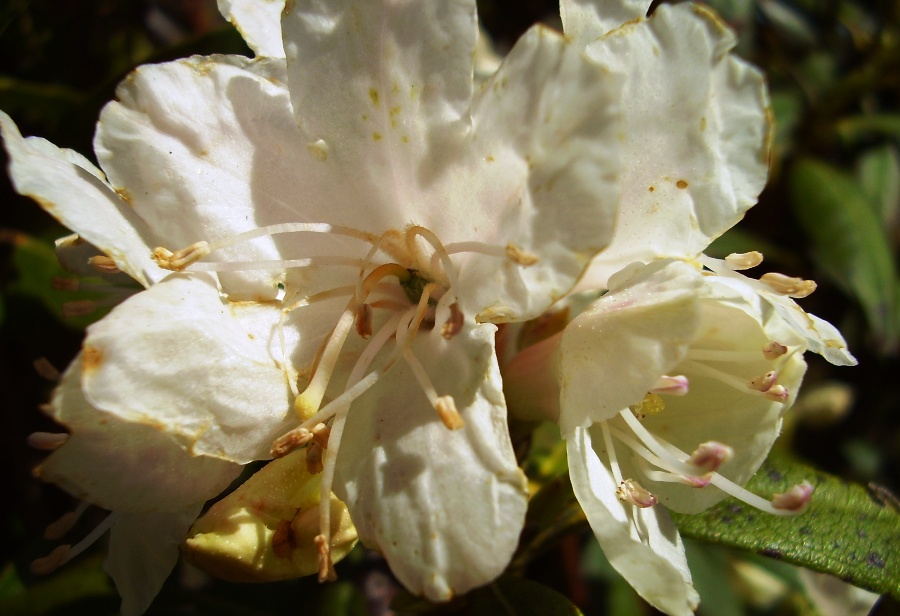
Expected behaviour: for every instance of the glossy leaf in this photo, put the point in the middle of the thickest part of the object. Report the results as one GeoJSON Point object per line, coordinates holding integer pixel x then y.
{"type": "Point", "coordinates": [848, 530]}
{"type": "Point", "coordinates": [849, 239]}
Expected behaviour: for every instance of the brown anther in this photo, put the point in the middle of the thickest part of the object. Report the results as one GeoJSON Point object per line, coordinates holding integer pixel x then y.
{"type": "Point", "coordinates": [314, 463]}
{"type": "Point", "coordinates": [45, 369]}
{"type": "Point", "coordinates": [283, 540]}
{"type": "Point", "coordinates": [320, 434]}
{"type": "Point", "coordinates": [104, 264]}
{"type": "Point", "coordinates": [744, 260]}
{"type": "Point", "coordinates": [454, 324]}
{"type": "Point", "coordinates": [795, 499]}
{"type": "Point", "coordinates": [51, 562]}
{"type": "Point", "coordinates": [180, 259]}
{"type": "Point", "coordinates": [364, 320]}
{"type": "Point", "coordinates": [630, 491]}
{"type": "Point", "coordinates": [65, 284]}
{"type": "Point", "coordinates": [47, 441]}
{"type": "Point", "coordinates": [763, 382]}
{"type": "Point", "coordinates": [65, 523]}
{"type": "Point", "coordinates": [446, 408]}
{"type": "Point", "coordinates": [520, 256]}
{"type": "Point", "coordinates": [78, 308]}
{"type": "Point", "coordinates": [326, 567]}
{"type": "Point", "coordinates": [787, 285]}
{"type": "Point", "coordinates": [774, 350]}
{"type": "Point", "coordinates": [284, 445]}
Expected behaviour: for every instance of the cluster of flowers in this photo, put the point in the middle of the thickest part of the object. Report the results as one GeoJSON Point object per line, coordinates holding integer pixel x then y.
{"type": "Point", "coordinates": [329, 235]}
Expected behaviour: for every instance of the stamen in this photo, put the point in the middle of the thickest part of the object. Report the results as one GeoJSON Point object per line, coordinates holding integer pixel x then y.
{"type": "Point", "coordinates": [379, 273]}
{"type": "Point", "coordinates": [788, 285]}
{"type": "Point", "coordinates": [773, 350]}
{"type": "Point", "coordinates": [710, 456]}
{"type": "Point", "coordinates": [630, 491]}
{"type": "Point", "coordinates": [293, 227]}
{"type": "Point", "coordinates": [439, 251]}
{"type": "Point", "coordinates": [326, 566]}
{"type": "Point", "coordinates": [307, 403]}
{"type": "Point", "coordinates": [272, 266]}
{"type": "Point", "coordinates": [454, 324]}
{"type": "Point", "coordinates": [364, 316]}
{"type": "Point", "coordinates": [66, 522]}
{"type": "Point", "coordinates": [444, 405]}
{"type": "Point", "coordinates": [796, 499]}
{"type": "Point", "coordinates": [180, 259]}
{"type": "Point", "coordinates": [64, 553]}
{"type": "Point", "coordinates": [745, 260]}
{"type": "Point", "coordinates": [650, 405]}
{"type": "Point", "coordinates": [671, 385]}
{"type": "Point", "coordinates": [777, 393]}
{"type": "Point", "coordinates": [104, 264]}
{"type": "Point", "coordinates": [79, 308]}
{"type": "Point", "coordinates": [520, 256]}
{"type": "Point", "coordinates": [763, 382]}
{"type": "Point", "coordinates": [511, 251]}
{"type": "Point", "coordinates": [314, 464]}
{"type": "Point", "coordinates": [45, 369]}
{"type": "Point", "coordinates": [65, 284]}
{"type": "Point", "coordinates": [47, 441]}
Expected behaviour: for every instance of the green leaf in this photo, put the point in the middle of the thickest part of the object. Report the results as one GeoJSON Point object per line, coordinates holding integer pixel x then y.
{"type": "Point", "coordinates": [78, 580]}
{"type": "Point", "coordinates": [850, 241]}
{"type": "Point", "coordinates": [878, 173]}
{"type": "Point", "coordinates": [847, 530]}
{"type": "Point", "coordinates": [513, 596]}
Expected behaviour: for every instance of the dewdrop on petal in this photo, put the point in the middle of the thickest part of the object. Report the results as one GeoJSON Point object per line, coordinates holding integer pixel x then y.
{"type": "Point", "coordinates": [264, 531]}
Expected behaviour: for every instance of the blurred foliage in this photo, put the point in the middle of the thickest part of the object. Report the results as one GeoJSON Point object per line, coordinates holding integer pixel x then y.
{"type": "Point", "coordinates": [831, 212]}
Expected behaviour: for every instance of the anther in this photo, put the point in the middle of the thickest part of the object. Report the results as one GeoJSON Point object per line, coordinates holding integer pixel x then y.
{"type": "Point", "coordinates": [45, 369]}
{"type": "Point", "coordinates": [104, 264]}
{"type": "Point", "coordinates": [314, 464]}
{"type": "Point", "coordinates": [52, 561]}
{"type": "Point", "coordinates": [296, 438]}
{"type": "Point", "coordinates": [66, 522]}
{"type": "Point", "coordinates": [520, 256]}
{"type": "Point", "coordinates": [630, 491]}
{"type": "Point", "coordinates": [446, 409]}
{"type": "Point", "coordinates": [778, 393]}
{"type": "Point", "coordinates": [763, 382]}
{"type": "Point", "coordinates": [326, 567]}
{"type": "Point", "coordinates": [364, 314]}
{"type": "Point", "coordinates": [180, 259]}
{"type": "Point", "coordinates": [650, 405]}
{"type": "Point", "coordinates": [671, 385]}
{"type": "Point", "coordinates": [78, 308]}
{"type": "Point", "coordinates": [47, 441]}
{"type": "Point", "coordinates": [709, 456]}
{"type": "Point", "coordinates": [65, 284]}
{"type": "Point", "coordinates": [320, 434]}
{"type": "Point", "coordinates": [744, 260]}
{"type": "Point", "coordinates": [454, 324]}
{"type": "Point", "coordinates": [796, 499]}
{"type": "Point", "coordinates": [787, 285]}
{"type": "Point", "coordinates": [773, 350]}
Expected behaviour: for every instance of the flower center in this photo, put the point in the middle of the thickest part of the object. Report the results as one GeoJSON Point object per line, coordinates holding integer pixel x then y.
{"type": "Point", "coordinates": [424, 296]}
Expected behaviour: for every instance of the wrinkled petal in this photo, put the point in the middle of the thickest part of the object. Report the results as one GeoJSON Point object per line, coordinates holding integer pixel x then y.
{"type": "Point", "coordinates": [178, 146]}
{"type": "Point", "coordinates": [143, 550]}
{"type": "Point", "coordinates": [696, 130]}
{"type": "Point", "coordinates": [181, 358]}
{"type": "Point", "coordinates": [616, 350]}
{"type": "Point", "coordinates": [75, 192]}
{"type": "Point", "coordinates": [587, 20]}
{"type": "Point", "coordinates": [445, 507]}
{"type": "Point", "coordinates": [653, 562]}
{"type": "Point", "coordinates": [259, 22]}
{"type": "Point", "coordinates": [125, 466]}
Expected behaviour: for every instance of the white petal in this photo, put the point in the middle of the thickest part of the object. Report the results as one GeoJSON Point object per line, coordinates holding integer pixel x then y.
{"type": "Point", "coordinates": [259, 22]}
{"type": "Point", "coordinates": [543, 166]}
{"type": "Point", "coordinates": [188, 145]}
{"type": "Point", "coordinates": [75, 192]}
{"type": "Point", "coordinates": [445, 507]}
{"type": "Point", "coordinates": [696, 132]}
{"type": "Point", "coordinates": [143, 550]}
{"type": "Point", "coordinates": [654, 564]}
{"type": "Point", "coordinates": [125, 466]}
{"type": "Point", "coordinates": [617, 349]}
{"type": "Point", "coordinates": [180, 357]}
{"type": "Point", "coordinates": [586, 20]}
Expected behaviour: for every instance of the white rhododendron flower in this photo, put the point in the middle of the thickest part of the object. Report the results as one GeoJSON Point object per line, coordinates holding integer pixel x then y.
{"type": "Point", "coordinates": [348, 223]}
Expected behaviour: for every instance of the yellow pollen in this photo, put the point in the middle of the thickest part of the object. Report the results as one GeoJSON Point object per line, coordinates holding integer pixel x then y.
{"type": "Point", "coordinates": [650, 405]}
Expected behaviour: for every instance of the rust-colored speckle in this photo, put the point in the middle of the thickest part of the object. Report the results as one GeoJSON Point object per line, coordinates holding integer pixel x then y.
{"type": "Point", "coordinates": [373, 96]}
{"type": "Point", "coordinates": [651, 188]}
{"type": "Point", "coordinates": [405, 138]}
{"type": "Point", "coordinates": [125, 196]}
{"type": "Point", "coordinates": [681, 184]}
{"type": "Point", "coordinates": [376, 136]}
{"type": "Point", "coordinates": [489, 158]}
{"type": "Point", "coordinates": [702, 124]}
{"type": "Point", "coordinates": [91, 358]}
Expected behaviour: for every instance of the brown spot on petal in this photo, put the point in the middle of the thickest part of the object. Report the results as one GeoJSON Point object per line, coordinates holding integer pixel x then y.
{"type": "Point", "coordinates": [91, 358]}
{"type": "Point", "coordinates": [651, 188]}
{"type": "Point", "coordinates": [681, 184]}
{"type": "Point", "coordinates": [125, 196]}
